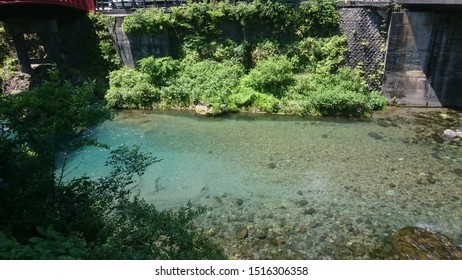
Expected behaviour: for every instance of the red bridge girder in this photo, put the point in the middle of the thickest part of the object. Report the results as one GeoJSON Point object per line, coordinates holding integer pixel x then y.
{"type": "Point", "coordinates": [86, 5]}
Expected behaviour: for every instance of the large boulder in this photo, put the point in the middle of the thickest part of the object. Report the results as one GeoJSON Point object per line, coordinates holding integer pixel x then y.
{"type": "Point", "coordinates": [415, 243]}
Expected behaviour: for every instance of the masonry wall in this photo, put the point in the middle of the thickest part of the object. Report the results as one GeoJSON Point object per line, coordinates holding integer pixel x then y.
{"type": "Point", "coordinates": [364, 28]}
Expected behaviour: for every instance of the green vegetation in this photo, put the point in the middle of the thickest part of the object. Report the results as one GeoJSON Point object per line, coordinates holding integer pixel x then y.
{"type": "Point", "coordinates": [7, 60]}
{"type": "Point", "coordinates": [43, 216]}
{"type": "Point", "coordinates": [259, 57]}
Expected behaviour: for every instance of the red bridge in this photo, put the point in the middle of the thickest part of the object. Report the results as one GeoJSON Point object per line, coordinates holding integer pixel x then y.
{"type": "Point", "coordinates": [46, 31]}
{"type": "Point", "coordinates": [44, 9]}
{"type": "Point", "coordinates": [86, 5]}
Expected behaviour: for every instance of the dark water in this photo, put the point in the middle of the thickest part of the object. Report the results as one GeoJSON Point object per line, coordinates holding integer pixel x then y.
{"type": "Point", "coordinates": [288, 187]}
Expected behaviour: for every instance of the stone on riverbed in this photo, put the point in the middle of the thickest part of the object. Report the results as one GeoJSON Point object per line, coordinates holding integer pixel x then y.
{"type": "Point", "coordinates": [415, 243]}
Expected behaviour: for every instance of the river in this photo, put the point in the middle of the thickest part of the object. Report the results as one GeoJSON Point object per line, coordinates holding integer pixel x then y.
{"type": "Point", "coordinates": [279, 187]}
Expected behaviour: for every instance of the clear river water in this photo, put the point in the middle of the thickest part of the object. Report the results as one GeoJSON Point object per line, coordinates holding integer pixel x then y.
{"type": "Point", "coordinates": [279, 187]}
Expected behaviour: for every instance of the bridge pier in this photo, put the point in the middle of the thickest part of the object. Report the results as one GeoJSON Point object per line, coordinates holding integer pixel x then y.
{"type": "Point", "coordinates": [39, 36]}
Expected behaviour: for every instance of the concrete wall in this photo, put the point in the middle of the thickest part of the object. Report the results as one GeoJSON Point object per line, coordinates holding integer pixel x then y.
{"type": "Point", "coordinates": [132, 47]}
{"type": "Point", "coordinates": [423, 64]}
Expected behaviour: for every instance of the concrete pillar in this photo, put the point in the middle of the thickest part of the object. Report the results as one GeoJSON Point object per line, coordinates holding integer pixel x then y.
{"type": "Point", "coordinates": [47, 32]}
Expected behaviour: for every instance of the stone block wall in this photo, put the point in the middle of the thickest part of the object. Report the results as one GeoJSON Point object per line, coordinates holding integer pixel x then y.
{"type": "Point", "coordinates": [363, 28]}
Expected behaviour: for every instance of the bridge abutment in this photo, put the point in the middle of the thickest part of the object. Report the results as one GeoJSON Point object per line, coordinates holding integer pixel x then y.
{"type": "Point", "coordinates": [423, 64]}
{"type": "Point", "coordinates": [133, 47]}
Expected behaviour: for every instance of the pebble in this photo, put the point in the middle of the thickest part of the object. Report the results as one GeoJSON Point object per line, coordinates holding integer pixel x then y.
{"type": "Point", "coordinates": [391, 192]}
{"type": "Point", "coordinates": [431, 180]}
{"type": "Point", "coordinates": [392, 185]}
{"type": "Point", "coordinates": [309, 211]}
{"type": "Point", "coordinates": [302, 202]}
{"type": "Point", "coordinates": [375, 135]}
{"type": "Point", "coordinates": [242, 233]}
{"type": "Point", "coordinates": [239, 201]}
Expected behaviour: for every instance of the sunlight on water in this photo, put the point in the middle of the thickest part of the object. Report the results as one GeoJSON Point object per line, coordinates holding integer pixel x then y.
{"type": "Point", "coordinates": [300, 188]}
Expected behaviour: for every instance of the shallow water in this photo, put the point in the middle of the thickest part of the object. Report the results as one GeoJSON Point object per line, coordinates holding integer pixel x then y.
{"type": "Point", "coordinates": [289, 187]}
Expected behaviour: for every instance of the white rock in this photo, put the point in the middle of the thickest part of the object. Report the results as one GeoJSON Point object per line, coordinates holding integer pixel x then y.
{"type": "Point", "coordinates": [450, 134]}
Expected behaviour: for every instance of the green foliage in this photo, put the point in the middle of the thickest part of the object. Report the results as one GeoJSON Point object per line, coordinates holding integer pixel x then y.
{"type": "Point", "coordinates": [160, 70]}
{"type": "Point", "coordinates": [42, 123]}
{"type": "Point", "coordinates": [273, 41]}
{"type": "Point", "coordinates": [8, 62]}
{"type": "Point", "coordinates": [344, 103]}
{"type": "Point", "coordinates": [129, 88]}
{"type": "Point", "coordinates": [142, 232]}
{"type": "Point", "coordinates": [377, 101]}
{"type": "Point", "coordinates": [106, 51]}
{"type": "Point", "coordinates": [271, 76]}
{"type": "Point", "coordinates": [316, 18]}
{"type": "Point", "coordinates": [207, 82]}
{"type": "Point", "coordinates": [68, 112]}
{"type": "Point", "coordinates": [343, 93]}
{"type": "Point", "coordinates": [324, 55]}
{"type": "Point", "coordinates": [51, 245]}
{"type": "Point", "coordinates": [249, 99]}
{"type": "Point", "coordinates": [147, 21]}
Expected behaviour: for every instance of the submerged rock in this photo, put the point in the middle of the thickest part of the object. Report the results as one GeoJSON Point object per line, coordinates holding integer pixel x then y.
{"type": "Point", "coordinates": [375, 135]}
{"type": "Point", "coordinates": [415, 243]}
{"type": "Point", "coordinates": [242, 233]}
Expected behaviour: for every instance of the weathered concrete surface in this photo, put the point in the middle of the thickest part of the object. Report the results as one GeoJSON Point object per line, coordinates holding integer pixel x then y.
{"type": "Point", "coordinates": [61, 42]}
{"type": "Point", "coordinates": [132, 47]}
{"type": "Point", "coordinates": [424, 54]}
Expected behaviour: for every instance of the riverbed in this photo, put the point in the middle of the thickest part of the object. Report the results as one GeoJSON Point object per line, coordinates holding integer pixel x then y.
{"type": "Point", "coordinates": [280, 187]}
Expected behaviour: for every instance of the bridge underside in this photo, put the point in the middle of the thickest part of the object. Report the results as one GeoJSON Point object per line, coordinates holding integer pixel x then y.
{"type": "Point", "coordinates": [33, 11]}
{"type": "Point", "coordinates": [44, 34]}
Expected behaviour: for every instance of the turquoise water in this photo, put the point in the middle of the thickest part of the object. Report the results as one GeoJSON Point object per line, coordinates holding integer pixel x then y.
{"type": "Point", "coordinates": [289, 187]}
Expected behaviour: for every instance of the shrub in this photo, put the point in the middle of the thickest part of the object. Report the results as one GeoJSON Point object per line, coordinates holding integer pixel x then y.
{"type": "Point", "coordinates": [316, 18]}
{"type": "Point", "coordinates": [129, 88]}
{"type": "Point", "coordinates": [147, 21]}
{"type": "Point", "coordinates": [323, 55]}
{"type": "Point", "coordinates": [341, 103]}
{"type": "Point", "coordinates": [377, 101]}
{"type": "Point", "coordinates": [160, 70]}
{"type": "Point", "coordinates": [248, 99]}
{"type": "Point", "coordinates": [272, 76]}
{"type": "Point", "coordinates": [207, 82]}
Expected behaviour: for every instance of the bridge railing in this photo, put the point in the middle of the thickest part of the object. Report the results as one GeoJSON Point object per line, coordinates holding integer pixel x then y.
{"type": "Point", "coordinates": [134, 4]}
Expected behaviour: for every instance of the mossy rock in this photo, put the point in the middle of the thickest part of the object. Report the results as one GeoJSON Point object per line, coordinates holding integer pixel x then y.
{"type": "Point", "coordinates": [415, 243]}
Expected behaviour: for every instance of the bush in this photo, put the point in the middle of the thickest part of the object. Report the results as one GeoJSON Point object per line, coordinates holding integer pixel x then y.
{"type": "Point", "coordinates": [322, 55]}
{"type": "Point", "coordinates": [160, 70]}
{"type": "Point", "coordinates": [249, 99]}
{"type": "Point", "coordinates": [341, 103]}
{"type": "Point", "coordinates": [147, 21]}
{"type": "Point", "coordinates": [272, 76]}
{"type": "Point", "coordinates": [129, 88]}
{"type": "Point", "coordinates": [377, 101]}
{"type": "Point", "coordinates": [207, 82]}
